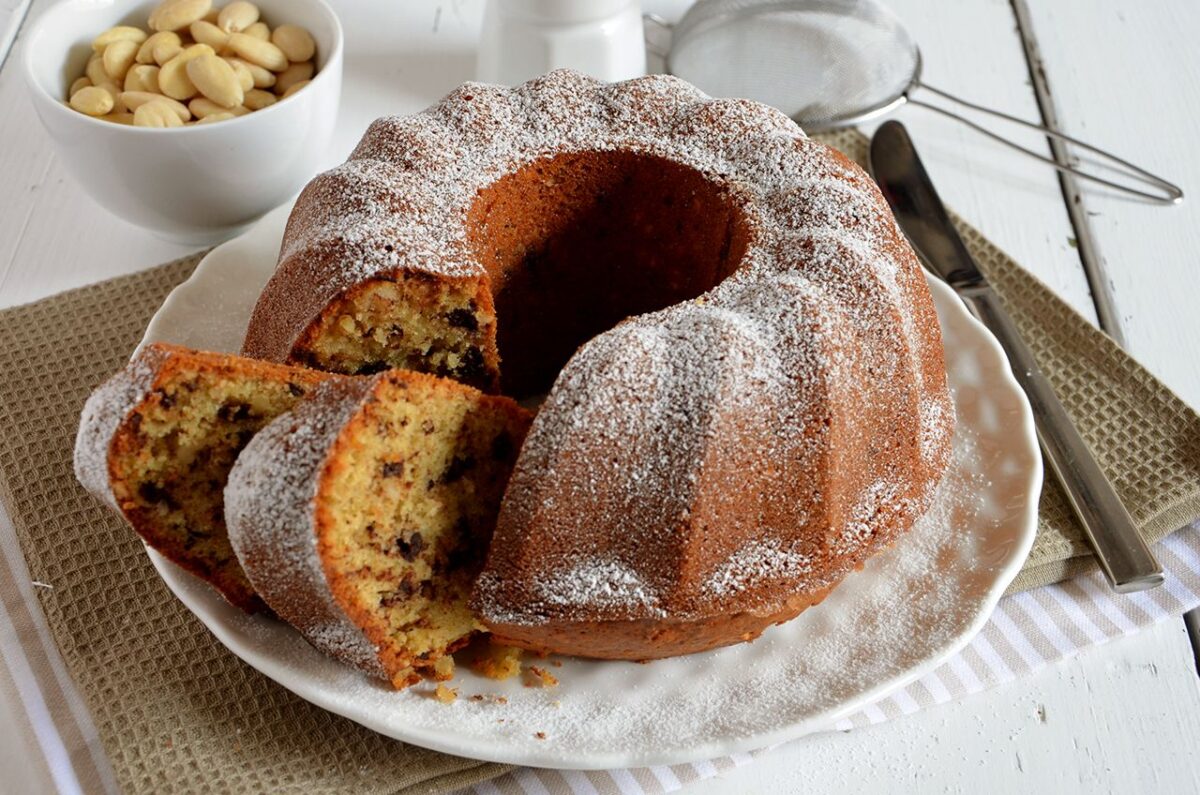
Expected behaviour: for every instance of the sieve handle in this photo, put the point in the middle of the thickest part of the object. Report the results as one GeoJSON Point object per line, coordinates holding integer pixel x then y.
{"type": "Point", "coordinates": [1167, 192]}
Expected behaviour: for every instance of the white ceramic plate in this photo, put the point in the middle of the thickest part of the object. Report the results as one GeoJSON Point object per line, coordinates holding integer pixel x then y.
{"type": "Point", "coordinates": [905, 612]}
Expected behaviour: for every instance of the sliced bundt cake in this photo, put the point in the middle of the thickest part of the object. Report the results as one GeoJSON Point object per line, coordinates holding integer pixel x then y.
{"type": "Point", "coordinates": [157, 440]}
{"type": "Point", "coordinates": [363, 516]}
{"type": "Point", "coordinates": [747, 390]}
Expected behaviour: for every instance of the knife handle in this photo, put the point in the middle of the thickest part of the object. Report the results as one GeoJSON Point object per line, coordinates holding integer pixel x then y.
{"type": "Point", "coordinates": [1126, 560]}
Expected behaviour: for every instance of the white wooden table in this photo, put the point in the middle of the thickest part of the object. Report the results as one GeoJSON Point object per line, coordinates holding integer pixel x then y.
{"type": "Point", "coordinates": [1120, 716]}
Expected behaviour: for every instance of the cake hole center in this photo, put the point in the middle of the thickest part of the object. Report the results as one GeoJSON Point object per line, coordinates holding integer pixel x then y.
{"type": "Point", "coordinates": [576, 242]}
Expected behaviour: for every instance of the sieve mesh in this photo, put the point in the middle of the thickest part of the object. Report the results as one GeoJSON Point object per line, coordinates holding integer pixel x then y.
{"type": "Point", "coordinates": [824, 62]}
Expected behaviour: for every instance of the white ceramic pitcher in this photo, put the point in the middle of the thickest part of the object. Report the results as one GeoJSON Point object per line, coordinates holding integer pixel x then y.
{"type": "Point", "coordinates": [525, 38]}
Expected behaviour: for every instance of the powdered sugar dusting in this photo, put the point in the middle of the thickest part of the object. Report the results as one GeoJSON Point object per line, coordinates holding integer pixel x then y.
{"type": "Point", "coordinates": [269, 511]}
{"type": "Point", "coordinates": [605, 584]}
{"type": "Point", "coordinates": [757, 561]}
{"type": "Point", "coordinates": [711, 412]}
{"type": "Point", "coordinates": [105, 410]}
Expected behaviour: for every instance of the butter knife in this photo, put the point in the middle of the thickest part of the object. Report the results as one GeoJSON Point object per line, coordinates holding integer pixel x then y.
{"type": "Point", "coordinates": [1127, 562]}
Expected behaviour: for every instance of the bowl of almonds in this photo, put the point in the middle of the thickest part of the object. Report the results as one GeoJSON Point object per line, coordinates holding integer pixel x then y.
{"type": "Point", "coordinates": [191, 118]}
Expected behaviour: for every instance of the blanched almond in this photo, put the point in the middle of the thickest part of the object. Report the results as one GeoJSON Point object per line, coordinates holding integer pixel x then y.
{"type": "Point", "coordinates": [257, 99]}
{"type": "Point", "coordinates": [237, 16]}
{"type": "Point", "coordinates": [156, 114]}
{"type": "Point", "coordinates": [119, 33]}
{"type": "Point", "coordinates": [294, 87]}
{"type": "Point", "coordinates": [135, 99]}
{"type": "Point", "coordinates": [296, 42]}
{"type": "Point", "coordinates": [81, 82]}
{"type": "Point", "coordinates": [95, 70]}
{"type": "Point", "coordinates": [216, 80]}
{"type": "Point", "coordinates": [222, 116]}
{"type": "Point", "coordinates": [245, 78]}
{"type": "Point", "coordinates": [208, 33]}
{"type": "Point", "coordinates": [173, 77]}
{"type": "Point", "coordinates": [257, 51]}
{"type": "Point", "coordinates": [178, 14]}
{"type": "Point", "coordinates": [112, 89]}
{"type": "Point", "coordinates": [165, 43]}
{"type": "Point", "coordinates": [118, 57]}
{"type": "Point", "coordinates": [259, 30]}
{"type": "Point", "coordinates": [292, 75]}
{"type": "Point", "coordinates": [202, 108]}
{"type": "Point", "coordinates": [263, 78]}
{"type": "Point", "coordinates": [142, 77]}
{"type": "Point", "coordinates": [119, 117]}
{"type": "Point", "coordinates": [92, 100]}
{"type": "Point", "coordinates": [166, 50]}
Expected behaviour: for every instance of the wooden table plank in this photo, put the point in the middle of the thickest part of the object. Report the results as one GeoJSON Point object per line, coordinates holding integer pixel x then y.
{"type": "Point", "coordinates": [12, 14]}
{"type": "Point", "coordinates": [1129, 79]}
{"type": "Point", "coordinates": [1070, 729]}
{"type": "Point", "coordinates": [972, 49]}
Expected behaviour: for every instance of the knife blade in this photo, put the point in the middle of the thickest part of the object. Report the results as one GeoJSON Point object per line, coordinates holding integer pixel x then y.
{"type": "Point", "coordinates": [1124, 557]}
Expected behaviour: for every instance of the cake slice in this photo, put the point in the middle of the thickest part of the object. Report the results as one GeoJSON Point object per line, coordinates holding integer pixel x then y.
{"type": "Point", "coordinates": [364, 515]}
{"type": "Point", "coordinates": [156, 442]}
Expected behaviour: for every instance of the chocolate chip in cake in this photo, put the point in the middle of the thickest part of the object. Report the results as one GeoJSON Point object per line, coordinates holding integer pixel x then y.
{"type": "Point", "coordinates": [502, 447]}
{"type": "Point", "coordinates": [463, 318]}
{"type": "Point", "coordinates": [412, 547]}
{"type": "Point", "coordinates": [460, 553]}
{"type": "Point", "coordinates": [295, 389]}
{"type": "Point", "coordinates": [392, 469]}
{"type": "Point", "coordinates": [427, 427]}
{"type": "Point", "coordinates": [233, 411]}
{"type": "Point", "coordinates": [472, 367]}
{"type": "Point", "coordinates": [403, 591]}
{"type": "Point", "coordinates": [457, 468]}
{"type": "Point", "coordinates": [155, 495]}
{"type": "Point", "coordinates": [165, 400]}
{"type": "Point", "coordinates": [371, 368]}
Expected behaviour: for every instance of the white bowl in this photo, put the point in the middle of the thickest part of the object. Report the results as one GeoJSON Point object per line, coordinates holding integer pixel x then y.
{"type": "Point", "coordinates": [195, 184]}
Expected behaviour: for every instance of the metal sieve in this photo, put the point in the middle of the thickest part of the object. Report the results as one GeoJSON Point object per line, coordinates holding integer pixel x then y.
{"type": "Point", "coordinates": [835, 63]}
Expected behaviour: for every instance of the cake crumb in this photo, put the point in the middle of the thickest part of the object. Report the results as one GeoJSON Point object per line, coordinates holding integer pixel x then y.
{"type": "Point", "coordinates": [444, 694]}
{"type": "Point", "coordinates": [536, 676]}
{"type": "Point", "coordinates": [496, 661]}
{"type": "Point", "coordinates": [443, 669]}
{"type": "Point", "coordinates": [540, 735]}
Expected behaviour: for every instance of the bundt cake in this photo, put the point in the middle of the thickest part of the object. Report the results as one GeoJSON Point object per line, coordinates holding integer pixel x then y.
{"type": "Point", "coordinates": [759, 401]}
{"type": "Point", "coordinates": [363, 516]}
{"type": "Point", "coordinates": [156, 442]}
